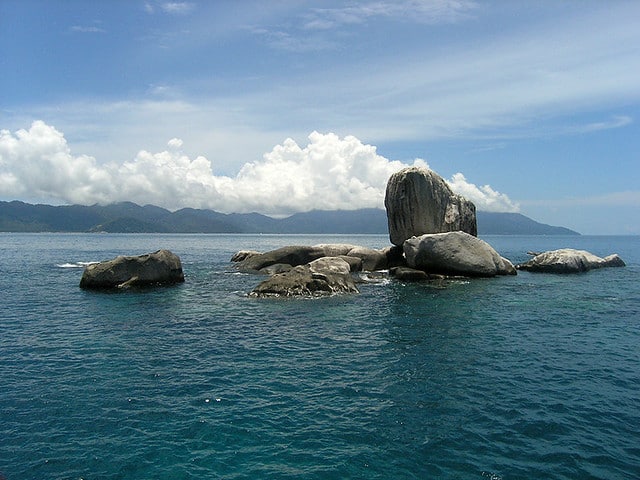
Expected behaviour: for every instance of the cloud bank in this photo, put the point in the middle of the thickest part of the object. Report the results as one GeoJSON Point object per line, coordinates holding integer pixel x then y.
{"type": "Point", "coordinates": [328, 173]}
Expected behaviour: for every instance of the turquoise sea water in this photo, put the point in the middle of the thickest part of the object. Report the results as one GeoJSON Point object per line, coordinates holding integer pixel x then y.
{"type": "Point", "coordinates": [527, 377]}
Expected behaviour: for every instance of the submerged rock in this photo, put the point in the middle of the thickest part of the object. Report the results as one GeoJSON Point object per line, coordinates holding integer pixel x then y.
{"type": "Point", "coordinates": [406, 274]}
{"type": "Point", "coordinates": [455, 253]}
{"type": "Point", "coordinates": [159, 268]}
{"type": "Point", "coordinates": [569, 260]}
{"type": "Point", "coordinates": [419, 201]}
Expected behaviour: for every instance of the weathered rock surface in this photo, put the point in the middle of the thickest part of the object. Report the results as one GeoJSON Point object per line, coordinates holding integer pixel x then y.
{"type": "Point", "coordinates": [324, 276]}
{"type": "Point", "coordinates": [330, 265]}
{"type": "Point", "coordinates": [418, 201]}
{"type": "Point", "coordinates": [371, 259]}
{"type": "Point", "coordinates": [159, 268]}
{"type": "Point", "coordinates": [455, 253]}
{"type": "Point", "coordinates": [569, 260]}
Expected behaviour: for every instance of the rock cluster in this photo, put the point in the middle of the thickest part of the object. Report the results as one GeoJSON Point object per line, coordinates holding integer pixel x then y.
{"type": "Point", "coordinates": [324, 276]}
{"type": "Point", "coordinates": [419, 201]}
{"type": "Point", "coordinates": [433, 232]}
{"type": "Point", "coordinates": [159, 268]}
{"type": "Point", "coordinates": [360, 258]}
{"type": "Point", "coordinates": [312, 270]}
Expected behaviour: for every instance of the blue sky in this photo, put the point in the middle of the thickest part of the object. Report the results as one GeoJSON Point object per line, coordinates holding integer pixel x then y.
{"type": "Point", "coordinates": [291, 105]}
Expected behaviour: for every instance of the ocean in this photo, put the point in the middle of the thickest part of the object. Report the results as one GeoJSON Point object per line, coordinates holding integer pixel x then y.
{"type": "Point", "coordinates": [534, 376]}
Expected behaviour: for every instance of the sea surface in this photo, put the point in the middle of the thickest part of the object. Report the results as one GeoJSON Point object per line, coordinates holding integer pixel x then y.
{"type": "Point", "coordinates": [535, 376]}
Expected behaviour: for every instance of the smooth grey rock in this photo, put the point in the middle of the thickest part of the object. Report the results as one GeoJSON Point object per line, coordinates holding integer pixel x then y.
{"type": "Point", "coordinates": [455, 253]}
{"type": "Point", "coordinates": [159, 268]}
{"type": "Point", "coordinates": [330, 265]}
{"type": "Point", "coordinates": [569, 260]}
{"type": "Point", "coordinates": [335, 249]}
{"type": "Point", "coordinates": [372, 259]}
{"type": "Point", "coordinates": [419, 201]}
{"type": "Point", "coordinates": [325, 276]}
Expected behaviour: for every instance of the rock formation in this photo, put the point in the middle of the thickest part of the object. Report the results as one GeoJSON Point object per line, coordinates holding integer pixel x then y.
{"type": "Point", "coordinates": [568, 260]}
{"type": "Point", "coordinates": [159, 268]}
{"type": "Point", "coordinates": [455, 253]}
{"type": "Point", "coordinates": [324, 276]}
{"type": "Point", "coordinates": [361, 258]}
{"type": "Point", "coordinates": [418, 201]}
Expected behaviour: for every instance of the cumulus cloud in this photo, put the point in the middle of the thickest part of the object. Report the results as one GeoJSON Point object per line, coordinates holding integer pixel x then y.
{"type": "Point", "coordinates": [38, 162]}
{"type": "Point", "coordinates": [484, 197]}
{"type": "Point", "coordinates": [328, 173]}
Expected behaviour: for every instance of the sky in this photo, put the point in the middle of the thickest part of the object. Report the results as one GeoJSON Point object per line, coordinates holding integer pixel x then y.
{"type": "Point", "coordinates": [292, 105]}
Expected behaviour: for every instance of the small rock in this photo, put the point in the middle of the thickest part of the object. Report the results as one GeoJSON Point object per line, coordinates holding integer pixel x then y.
{"type": "Point", "coordinates": [569, 260]}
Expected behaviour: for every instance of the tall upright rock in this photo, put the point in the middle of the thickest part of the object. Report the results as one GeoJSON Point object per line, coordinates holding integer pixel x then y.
{"type": "Point", "coordinates": [418, 201]}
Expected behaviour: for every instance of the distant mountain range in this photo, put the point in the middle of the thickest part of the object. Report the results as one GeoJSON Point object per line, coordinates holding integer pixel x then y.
{"type": "Point", "coordinates": [127, 217]}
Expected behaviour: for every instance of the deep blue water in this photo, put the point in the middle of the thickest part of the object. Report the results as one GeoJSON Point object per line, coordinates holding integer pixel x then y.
{"type": "Point", "coordinates": [527, 377]}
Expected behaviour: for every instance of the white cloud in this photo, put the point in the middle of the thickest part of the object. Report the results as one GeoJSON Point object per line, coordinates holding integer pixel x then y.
{"type": "Point", "coordinates": [85, 29]}
{"type": "Point", "coordinates": [328, 173]}
{"type": "Point", "coordinates": [431, 12]}
{"type": "Point", "coordinates": [314, 28]}
{"type": "Point", "coordinates": [484, 197]}
{"type": "Point", "coordinates": [177, 7]}
{"type": "Point", "coordinates": [173, 8]}
{"type": "Point", "coordinates": [175, 143]}
{"type": "Point", "coordinates": [38, 162]}
{"type": "Point", "coordinates": [512, 80]}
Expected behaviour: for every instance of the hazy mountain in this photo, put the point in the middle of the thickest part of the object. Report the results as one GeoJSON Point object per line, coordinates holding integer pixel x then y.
{"type": "Point", "coordinates": [127, 217]}
{"type": "Point", "coordinates": [492, 223]}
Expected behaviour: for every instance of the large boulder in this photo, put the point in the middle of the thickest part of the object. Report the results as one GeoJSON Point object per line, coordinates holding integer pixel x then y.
{"type": "Point", "coordinates": [569, 260]}
{"type": "Point", "coordinates": [324, 276]}
{"type": "Point", "coordinates": [455, 253]}
{"type": "Point", "coordinates": [419, 201]}
{"type": "Point", "coordinates": [159, 268]}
